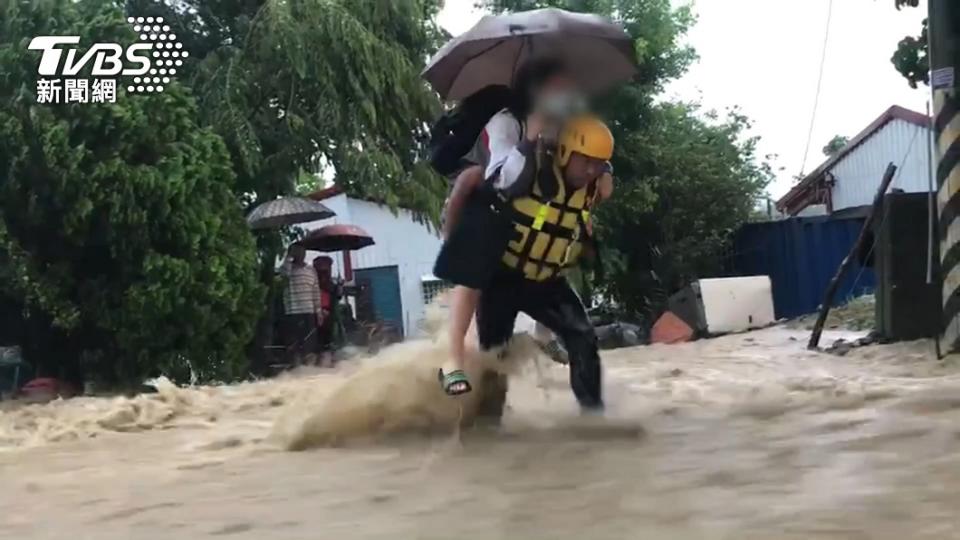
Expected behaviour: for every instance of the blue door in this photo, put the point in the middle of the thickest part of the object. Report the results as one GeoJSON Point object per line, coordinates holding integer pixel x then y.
{"type": "Point", "coordinates": [384, 291]}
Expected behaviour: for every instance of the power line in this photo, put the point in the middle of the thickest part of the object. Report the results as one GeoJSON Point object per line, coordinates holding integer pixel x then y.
{"type": "Point", "coordinates": [816, 99]}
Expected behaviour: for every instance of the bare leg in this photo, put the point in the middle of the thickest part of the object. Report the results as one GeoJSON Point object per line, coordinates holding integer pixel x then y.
{"type": "Point", "coordinates": [463, 305]}
{"type": "Point", "coordinates": [463, 299]}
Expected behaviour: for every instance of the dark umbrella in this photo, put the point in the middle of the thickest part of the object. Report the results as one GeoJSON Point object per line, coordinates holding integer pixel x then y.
{"type": "Point", "coordinates": [287, 211]}
{"type": "Point", "coordinates": [337, 238]}
{"type": "Point", "coordinates": [598, 51]}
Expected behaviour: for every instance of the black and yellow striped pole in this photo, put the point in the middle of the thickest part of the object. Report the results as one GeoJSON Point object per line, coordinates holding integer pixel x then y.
{"type": "Point", "coordinates": [945, 64]}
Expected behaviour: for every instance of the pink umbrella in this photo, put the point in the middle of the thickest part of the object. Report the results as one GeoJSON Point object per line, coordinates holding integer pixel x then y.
{"type": "Point", "coordinates": [345, 238]}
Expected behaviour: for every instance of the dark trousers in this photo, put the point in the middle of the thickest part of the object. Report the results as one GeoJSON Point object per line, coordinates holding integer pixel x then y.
{"type": "Point", "coordinates": [325, 333]}
{"type": "Point", "coordinates": [299, 334]}
{"type": "Point", "coordinates": [554, 304]}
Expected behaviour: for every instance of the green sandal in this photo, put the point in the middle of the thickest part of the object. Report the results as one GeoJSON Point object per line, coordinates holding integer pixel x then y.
{"type": "Point", "coordinates": [455, 377]}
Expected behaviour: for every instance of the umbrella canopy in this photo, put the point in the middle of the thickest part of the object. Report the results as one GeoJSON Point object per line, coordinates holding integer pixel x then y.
{"type": "Point", "coordinates": [598, 51]}
{"type": "Point", "coordinates": [287, 211]}
{"type": "Point", "coordinates": [337, 238]}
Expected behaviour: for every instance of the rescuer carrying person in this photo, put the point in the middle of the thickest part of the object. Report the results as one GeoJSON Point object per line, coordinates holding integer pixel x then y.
{"type": "Point", "coordinates": [541, 222]}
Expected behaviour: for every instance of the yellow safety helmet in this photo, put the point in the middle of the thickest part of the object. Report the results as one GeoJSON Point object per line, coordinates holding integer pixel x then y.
{"type": "Point", "coordinates": [587, 135]}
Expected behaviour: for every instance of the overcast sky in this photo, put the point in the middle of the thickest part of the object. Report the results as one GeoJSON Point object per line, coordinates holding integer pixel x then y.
{"type": "Point", "coordinates": [764, 55]}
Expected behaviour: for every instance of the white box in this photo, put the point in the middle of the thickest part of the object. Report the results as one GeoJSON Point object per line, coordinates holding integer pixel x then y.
{"type": "Point", "coordinates": [736, 304]}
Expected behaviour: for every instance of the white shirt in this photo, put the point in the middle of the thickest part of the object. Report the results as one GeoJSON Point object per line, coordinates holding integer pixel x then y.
{"type": "Point", "coordinates": [302, 294]}
{"type": "Point", "coordinates": [500, 137]}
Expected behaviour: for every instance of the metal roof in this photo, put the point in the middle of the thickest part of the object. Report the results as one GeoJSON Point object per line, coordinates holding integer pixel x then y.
{"type": "Point", "coordinates": [893, 113]}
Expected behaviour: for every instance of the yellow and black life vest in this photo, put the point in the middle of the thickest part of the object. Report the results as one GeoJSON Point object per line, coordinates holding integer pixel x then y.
{"type": "Point", "coordinates": [549, 229]}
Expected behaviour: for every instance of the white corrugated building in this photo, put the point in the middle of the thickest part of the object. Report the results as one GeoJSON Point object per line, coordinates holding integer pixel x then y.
{"type": "Point", "coordinates": [849, 180]}
{"type": "Point", "coordinates": [397, 268]}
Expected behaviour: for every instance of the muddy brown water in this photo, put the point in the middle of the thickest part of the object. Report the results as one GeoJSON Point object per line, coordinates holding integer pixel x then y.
{"type": "Point", "coordinates": [741, 437]}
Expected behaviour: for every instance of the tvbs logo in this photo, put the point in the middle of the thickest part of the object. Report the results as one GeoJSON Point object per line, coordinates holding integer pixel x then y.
{"type": "Point", "coordinates": [146, 65]}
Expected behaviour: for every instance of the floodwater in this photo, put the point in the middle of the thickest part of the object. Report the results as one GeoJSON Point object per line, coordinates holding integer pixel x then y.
{"type": "Point", "coordinates": [741, 437]}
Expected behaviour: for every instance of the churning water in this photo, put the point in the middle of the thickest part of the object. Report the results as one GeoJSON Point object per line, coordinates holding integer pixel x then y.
{"type": "Point", "coordinates": [742, 437]}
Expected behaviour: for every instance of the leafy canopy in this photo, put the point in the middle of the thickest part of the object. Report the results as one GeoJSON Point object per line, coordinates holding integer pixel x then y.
{"type": "Point", "coordinates": [835, 145]}
{"type": "Point", "coordinates": [121, 241]}
{"type": "Point", "coordinates": [315, 86]}
{"type": "Point", "coordinates": [912, 57]}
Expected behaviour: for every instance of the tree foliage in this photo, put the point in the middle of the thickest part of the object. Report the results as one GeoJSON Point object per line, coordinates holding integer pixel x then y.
{"type": "Point", "coordinates": [122, 244]}
{"type": "Point", "coordinates": [698, 179]}
{"type": "Point", "coordinates": [311, 85]}
{"type": "Point", "coordinates": [685, 178]}
{"type": "Point", "coordinates": [835, 145]}
{"type": "Point", "coordinates": [912, 57]}
{"type": "Point", "coordinates": [301, 87]}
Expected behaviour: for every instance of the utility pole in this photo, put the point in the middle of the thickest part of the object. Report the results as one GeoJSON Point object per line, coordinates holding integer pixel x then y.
{"type": "Point", "coordinates": [944, 28]}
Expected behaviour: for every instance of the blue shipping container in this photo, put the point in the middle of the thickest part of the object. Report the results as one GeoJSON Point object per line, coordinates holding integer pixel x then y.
{"type": "Point", "coordinates": [801, 255]}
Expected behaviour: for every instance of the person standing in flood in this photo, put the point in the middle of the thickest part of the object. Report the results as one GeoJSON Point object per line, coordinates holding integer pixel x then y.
{"type": "Point", "coordinates": [329, 298]}
{"type": "Point", "coordinates": [302, 307]}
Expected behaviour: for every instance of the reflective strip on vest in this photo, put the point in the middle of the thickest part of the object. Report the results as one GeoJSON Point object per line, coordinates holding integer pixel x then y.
{"type": "Point", "coordinates": [541, 217]}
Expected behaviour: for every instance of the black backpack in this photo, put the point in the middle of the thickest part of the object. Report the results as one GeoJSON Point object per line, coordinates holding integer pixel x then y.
{"type": "Point", "coordinates": [455, 133]}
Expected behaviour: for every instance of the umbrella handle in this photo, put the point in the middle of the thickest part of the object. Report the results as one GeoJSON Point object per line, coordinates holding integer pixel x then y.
{"type": "Point", "coordinates": [347, 266]}
{"type": "Point", "coordinates": [516, 61]}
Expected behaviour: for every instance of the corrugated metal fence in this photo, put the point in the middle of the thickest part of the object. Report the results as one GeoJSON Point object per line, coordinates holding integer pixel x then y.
{"type": "Point", "coordinates": [801, 255]}
{"type": "Point", "coordinates": [858, 174]}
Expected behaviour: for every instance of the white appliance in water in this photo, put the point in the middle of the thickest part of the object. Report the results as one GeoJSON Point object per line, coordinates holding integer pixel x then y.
{"type": "Point", "coordinates": [736, 304]}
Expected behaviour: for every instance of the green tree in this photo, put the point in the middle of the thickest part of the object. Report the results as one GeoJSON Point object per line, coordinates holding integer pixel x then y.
{"type": "Point", "coordinates": [312, 86]}
{"type": "Point", "coordinates": [121, 240]}
{"type": "Point", "coordinates": [912, 57]}
{"type": "Point", "coordinates": [685, 179]}
{"type": "Point", "coordinates": [698, 179]}
{"type": "Point", "coordinates": [835, 145]}
{"type": "Point", "coordinates": [298, 87]}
